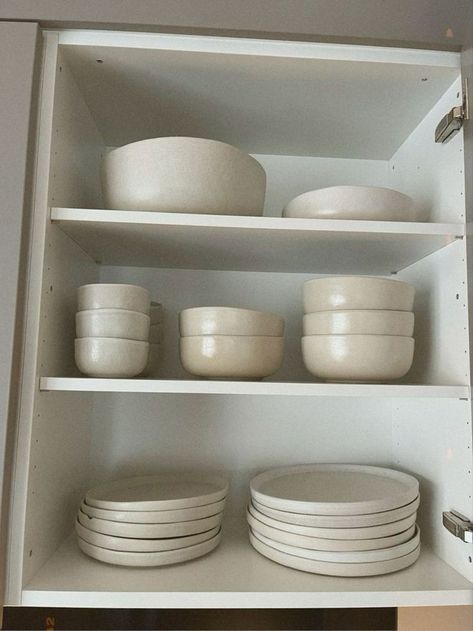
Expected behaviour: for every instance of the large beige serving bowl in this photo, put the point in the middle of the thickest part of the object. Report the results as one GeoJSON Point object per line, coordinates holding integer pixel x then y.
{"type": "Point", "coordinates": [110, 357]}
{"type": "Point", "coordinates": [352, 202]}
{"type": "Point", "coordinates": [229, 321]}
{"type": "Point", "coordinates": [231, 356]}
{"type": "Point", "coordinates": [113, 296]}
{"type": "Point", "coordinates": [357, 357]}
{"type": "Point", "coordinates": [359, 322]}
{"type": "Point", "coordinates": [357, 292]}
{"type": "Point", "coordinates": [183, 175]}
{"type": "Point", "coordinates": [128, 325]}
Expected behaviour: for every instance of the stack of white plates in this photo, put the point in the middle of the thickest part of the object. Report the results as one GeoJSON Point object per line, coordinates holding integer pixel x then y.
{"type": "Point", "coordinates": [339, 520]}
{"type": "Point", "coordinates": [152, 520]}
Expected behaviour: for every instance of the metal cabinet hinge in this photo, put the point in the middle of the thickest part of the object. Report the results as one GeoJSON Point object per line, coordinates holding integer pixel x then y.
{"type": "Point", "coordinates": [452, 122]}
{"type": "Point", "coordinates": [458, 525]}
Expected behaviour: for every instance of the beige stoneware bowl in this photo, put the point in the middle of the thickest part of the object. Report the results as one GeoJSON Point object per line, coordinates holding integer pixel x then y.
{"type": "Point", "coordinates": [357, 292]}
{"type": "Point", "coordinates": [229, 321]}
{"type": "Point", "coordinates": [128, 325]}
{"type": "Point", "coordinates": [113, 296]}
{"type": "Point", "coordinates": [183, 175]}
{"type": "Point", "coordinates": [231, 356]}
{"type": "Point", "coordinates": [108, 357]}
{"type": "Point", "coordinates": [359, 322]}
{"type": "Point", "coordinates": [352, 202]}
{"type": "Point", "coordinates": [371, 358]}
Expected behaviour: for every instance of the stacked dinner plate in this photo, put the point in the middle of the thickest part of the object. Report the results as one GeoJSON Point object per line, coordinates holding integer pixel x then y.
{"type": "Point", "coordinates": [334, 519]}
{"type": "Point", "coordinates": [152, 520]}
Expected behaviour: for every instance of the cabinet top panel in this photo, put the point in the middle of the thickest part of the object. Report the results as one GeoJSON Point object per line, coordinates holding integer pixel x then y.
{"type": "Point", "coordinates": [287, 98]}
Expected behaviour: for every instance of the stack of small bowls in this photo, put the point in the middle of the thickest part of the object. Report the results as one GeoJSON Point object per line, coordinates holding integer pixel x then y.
{"type": "Point", "coordinates": [358, 328]}
{"type": "Point", "coordinates": [231, 343]}
{"type": "Point", "coordinates": [152, 521]}
{"type": "Point", "coordinates": [112, 330]}
{"type": "Point", "coordinates": [155, 341]}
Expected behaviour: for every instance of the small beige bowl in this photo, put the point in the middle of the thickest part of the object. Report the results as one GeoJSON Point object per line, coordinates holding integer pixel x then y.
{"type": "Point", "coordinates": [231, 356]}
{"type": "Point", "coordinates": [113, 296]}
{"type": "Point", "coordinates": [363, 322]}
{"type": "Point", "coordinates": [119, 323]}
{"type": "Point", "coordinates": [107, 357]}
{"type": "Point", "coordinates": [229, 321]}
{"type": "Point", "coordinates": [352, 202]}
{"type": "Point", "coordinates": [357, 357]}
{"type": "Point", "coordinates": [183, 175]}
{"type": "Point", "coordinates": [357, 292]}
{"type": "Point", "coordinates": [154, 361]}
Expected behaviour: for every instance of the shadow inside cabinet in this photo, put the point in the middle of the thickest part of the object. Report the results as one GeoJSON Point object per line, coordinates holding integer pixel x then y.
{"type": "Point", "coordinates": [58, 619]}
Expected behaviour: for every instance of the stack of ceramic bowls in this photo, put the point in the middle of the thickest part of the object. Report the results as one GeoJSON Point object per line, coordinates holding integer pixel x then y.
{"type": "Point", "coordinates": [112, 330]}
{"type": "Point", "coordinates": [231, 343]}
{"type": "Point", "coordinates": [339, 520]}
{"type": "Point", "coordinates": [183, 175]}
{"type": "Point", "coordinates": [155, 341]}
{"type": "Point", "coordinates": [353, 202]}
{"type": "Point", "coordinates": [152, 520]}
{"type": "Point", "coordinates": [358, 328]}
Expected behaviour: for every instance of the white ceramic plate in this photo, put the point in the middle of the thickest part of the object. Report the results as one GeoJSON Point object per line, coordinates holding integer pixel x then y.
{"type": "Point", "coordinates": [335, 545]}
{"type": "Point", "coordinates": [149, 559]}
{"type": "Point", "coordinates": [368, 532]}
{"type": "Point", "coordinates": [142, 545]}
{"type": "Point", "coordinates": [339, 521]}
{"type": "Point", "coordinates": [149, 531]}
{"type": "Point", "coordinates": [334, 489]}
{"type": "Point", "coordinates": [363, 556]}
{"type": "Point", "coordinates": [155, 516]}
{"type": "Point", "coordinates": [335, 569]}
{"type": "Point", "coordinates": [158, 492]}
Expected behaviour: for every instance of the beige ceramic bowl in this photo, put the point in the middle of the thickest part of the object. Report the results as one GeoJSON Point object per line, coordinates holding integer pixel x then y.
{"type": "Point", "coordinates": [128, 325]}
{"type": "Point", "coordinates": [110, 357]}
{"type": "Point", "coordinates": [357, 357]}
{"type": "Point", "coordinates": [154, 361]}
{"type": "Point", "coordinates": [353, 202]}
{"type": "Point", "coordinates": [113, 296]}
{"type": "Point", "coordinates": [183, 175]}
{"type": "Point", "coordinates": [363, 322]}
{"type": "Point", "coordinates": [229, 321]}
{"type": "Point", "coordinates": [357, 292]}
{"type": "Point", "coordinates": [231, 356]}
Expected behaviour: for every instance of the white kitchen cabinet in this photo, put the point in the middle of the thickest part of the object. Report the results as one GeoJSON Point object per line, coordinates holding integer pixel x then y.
{"type": "Point", "coordinates": [314, 115]}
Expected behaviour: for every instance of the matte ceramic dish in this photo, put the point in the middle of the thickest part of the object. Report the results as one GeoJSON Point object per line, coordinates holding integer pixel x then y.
{"type": "Point", "coordinates": [128, 325]}
{"type": "Point", "coordinates": [320, 543]}
{"type": "Point", "coordinates": [154, 361]}
{"type": "Point", "coordinates": [368, 532]}
{"type": "Point", "coordinates": [110, 357]}
{"type": "Point", "coordinates": [232, 356]}
{"type": "Point", "coordinates": [334, 489]}
{"type": "Point", "coordinates": [149, 531]}
{"type": "Point", "coordinates": [183, 175]}
{"type": "Point", "coordinates": [357, 292]}
{"type": "Point", "coordinates": [339, 521]}
{"type": "Point", "coordinates": [360, 556]}
{"type": "Point", "coordinates": [149, 559]}
{"type": "Point", "coordinates": [229, 321]}
{"type": "Point", "coordinates": [142, 545]}
{"type": "Point", "coordinates": [371, 358]}
{"type": "Point", "coordinates": [334, 569]}
{"type": "Point", "coordinates": [352, 202]}
{"type": "Point", "coordinates": [113, 296]}
{"type": "Point", "coordinates": [156, 516]}
{"type": "Point", "coordinates": [158, 492]}
{"type": "Point", "coordinates": [359, 322]}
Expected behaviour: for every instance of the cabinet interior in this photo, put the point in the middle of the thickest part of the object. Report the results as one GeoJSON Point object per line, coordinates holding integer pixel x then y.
{"type": "Point", "coordinates": [272, 104]}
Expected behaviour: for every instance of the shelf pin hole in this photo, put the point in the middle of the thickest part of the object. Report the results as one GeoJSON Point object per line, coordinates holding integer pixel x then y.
{"type": "Point", "coordinates": [99, 61]}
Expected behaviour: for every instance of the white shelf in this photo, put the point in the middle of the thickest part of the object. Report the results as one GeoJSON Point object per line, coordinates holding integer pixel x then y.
{"type": "Point", "coordinates": [235, 576]}
{"type": "Point", "coordinates": [276, 244]}
{"type": "Point", "coordinates": [271, 388]}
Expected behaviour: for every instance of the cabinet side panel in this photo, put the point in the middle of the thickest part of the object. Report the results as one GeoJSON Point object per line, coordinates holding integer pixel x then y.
{"type": "Point", "coordinates": [433, 173]}
{"type": "Point", "coordinates": [432, 440]}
